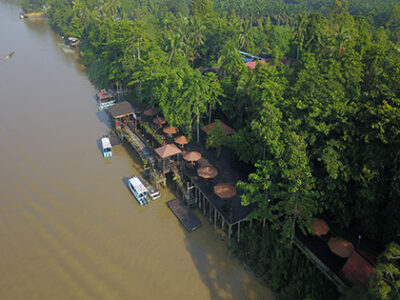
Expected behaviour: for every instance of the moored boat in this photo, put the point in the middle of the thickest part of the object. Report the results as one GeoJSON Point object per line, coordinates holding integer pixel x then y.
{"type": "Point", "coordinates": [105, 95]}
{"type": "Point", "coordinates": [138, 190]}
{"type": "Point", "coordinates": [106, 146]}
{"type": "Point", "coordinates": [40, 14]}
{"type": "Point", "coordinates": [105, 99]}
{"type": "Point", "coordinates": [103, 105]}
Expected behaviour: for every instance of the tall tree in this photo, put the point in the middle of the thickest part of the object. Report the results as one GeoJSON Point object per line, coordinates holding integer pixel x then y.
{"type": "Point", "coordinates": [385, 280]}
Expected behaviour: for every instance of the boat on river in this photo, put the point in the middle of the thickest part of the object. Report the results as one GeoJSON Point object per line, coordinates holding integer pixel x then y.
{"type": "Point", "coordinates": [40, 14]}
{"type": "Point", "coordinates": [68, 50]}
{"type": "Point", "coordinates": [139, 190]}
{"type": "Point", "coordinates": [106, 146]}
{"type": "Point", "coordinates": [105, 99]}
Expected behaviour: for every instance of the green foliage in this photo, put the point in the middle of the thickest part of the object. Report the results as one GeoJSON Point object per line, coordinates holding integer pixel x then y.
{"type": "Point", "coordinates": [98, 73]}
{"type": "Point", "coordinates": [150, 130]}
{"type": "Point", "coordinates": [385, 280]}
{"type": "Point", "coordinates": [184, 96]}
{"type": "Point", "coordinates": [284, 268]}
{"type": "Point", "coordinates": [288, 180]}
{"type": "Point", "coordinates": [356, 291]}
{"type": "Point", "coordinates": [216, 138]}
{"type": "Point", "coordinates": [32, 5]}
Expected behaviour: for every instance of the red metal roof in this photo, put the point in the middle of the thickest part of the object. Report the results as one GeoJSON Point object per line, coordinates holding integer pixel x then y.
{"type": "Point", "coordinates": [357, 268]}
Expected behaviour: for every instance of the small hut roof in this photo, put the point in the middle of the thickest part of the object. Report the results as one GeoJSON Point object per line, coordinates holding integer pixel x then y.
{"type": "Point", "coordinates": [320, 227]}
{"type": "Point", "coordinates": [225, 128]}
{"type": "Point", "coordinates": [340, 246]}
{"type": "Point", "coordinates": [207, 172]}
{"type": "Point", "coordinates": [192, 156]}
{"type": "Point", "coordinates": [181, 140]}
{"type": "Point", "coordinates": [159, 120]}
{"type": "Point", "coordinates": [225, 190]}
{"type": "Point", "coordinates": [170, 130]}
{"type": "Point", "coordinates": [167, 150]}
{"type": "Point", "coordinates": [121, 109]}
{"type": "Point", "coordinates": [149, 112]}
{"type": "Point", "coordinates": [357, 268]}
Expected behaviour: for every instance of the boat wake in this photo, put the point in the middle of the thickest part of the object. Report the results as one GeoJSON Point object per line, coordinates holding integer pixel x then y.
{"type": "Point", "coordinates": [8, 56]}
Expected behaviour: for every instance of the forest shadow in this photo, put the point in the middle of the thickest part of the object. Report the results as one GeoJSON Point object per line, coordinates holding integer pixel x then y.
{"type": "Point", "coordinates": [225, 277]}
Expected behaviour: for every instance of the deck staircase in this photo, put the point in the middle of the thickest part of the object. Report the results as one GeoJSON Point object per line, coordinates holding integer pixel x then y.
{"type": "Point", "coordinates": [188, 196]}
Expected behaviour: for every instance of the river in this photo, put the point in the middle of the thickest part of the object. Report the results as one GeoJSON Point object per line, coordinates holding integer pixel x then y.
{"type": "Point", "coordinates": [69, 227]}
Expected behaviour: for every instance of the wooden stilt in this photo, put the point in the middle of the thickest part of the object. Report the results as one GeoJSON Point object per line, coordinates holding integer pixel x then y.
{"type": "Point", "coordinates": [210, 214]}
{"type": "Point", "coordinates": [199, 200]}
{"type": "Point", "coordinates": [215, 219]}
{"type": "Point", "coordinates": [264, 224]}
{"type": "Point", "coordinates": [204, 207]}
{"type": "Point", "coordinates": [238, 234]}
{"type": "Point", "coordinates": [229, 235]}
{"type": "Point", "coordinates": [222, 229]}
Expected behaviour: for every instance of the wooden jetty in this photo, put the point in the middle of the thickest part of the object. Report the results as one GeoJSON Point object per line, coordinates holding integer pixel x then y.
{"type": "Point", "coordinates": [122, 113]}
{"type": "Point", "coordinates": [184, 215]}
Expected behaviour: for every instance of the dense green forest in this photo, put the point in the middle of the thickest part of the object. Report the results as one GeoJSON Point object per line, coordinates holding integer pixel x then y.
{"type": "Point", "coordinates": [319, 121]}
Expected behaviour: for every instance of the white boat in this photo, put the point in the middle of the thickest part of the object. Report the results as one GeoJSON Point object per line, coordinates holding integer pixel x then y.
{"type": "Point", "coordinates": [151, 190]}
{"type": "Point", "coordinates": [103, 105]}
{"type": "Point", "coordinates": [106, 145]}
{"type": "Point", "coordinates": [138, 190]}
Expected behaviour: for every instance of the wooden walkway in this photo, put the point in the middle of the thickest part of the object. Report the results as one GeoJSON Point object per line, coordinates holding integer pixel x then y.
{"type": "Point", "coordinates": [187, 218]}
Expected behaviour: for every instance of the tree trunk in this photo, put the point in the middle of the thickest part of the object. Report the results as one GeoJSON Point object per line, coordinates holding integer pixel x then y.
{"type": "Point", "coordinates": [209, 115]}
{"type": "Point", "coordinates": [198, 126]}
{"type": "Point", "coordinates": [264, 151]}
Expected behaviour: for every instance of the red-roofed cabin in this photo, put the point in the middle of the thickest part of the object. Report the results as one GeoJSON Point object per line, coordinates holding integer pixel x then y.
{"type": "Point", "coordinates": [252, 64]}
{"type": "Point", "coordinates": [357, 268]}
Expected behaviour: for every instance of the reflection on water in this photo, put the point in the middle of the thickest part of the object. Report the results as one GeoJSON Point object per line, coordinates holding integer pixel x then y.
{"type": "Point", "coordinates": [69, 226]}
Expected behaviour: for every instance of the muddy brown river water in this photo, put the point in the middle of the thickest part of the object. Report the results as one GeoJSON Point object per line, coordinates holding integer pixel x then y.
{"type": "Point", "coordinates": [69, 227]}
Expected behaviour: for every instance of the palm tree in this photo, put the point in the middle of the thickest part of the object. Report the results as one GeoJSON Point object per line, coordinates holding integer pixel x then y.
{"type": "Point", "coordinates": [176, 45]}
{"type": "Point", "coordinates": [299, 34]}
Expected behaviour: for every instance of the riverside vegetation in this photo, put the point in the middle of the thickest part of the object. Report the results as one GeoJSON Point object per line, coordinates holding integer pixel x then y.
{"type": "Point", "coordinates": [319, 121]}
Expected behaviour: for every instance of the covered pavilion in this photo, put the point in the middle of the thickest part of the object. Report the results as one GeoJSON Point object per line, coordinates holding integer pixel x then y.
{"type": "Point", "coordinates": [165, 152]}
{"type": "Point", "coordinates": [120, 110]}
{"type": "Point", "coordinates": [225, 128]}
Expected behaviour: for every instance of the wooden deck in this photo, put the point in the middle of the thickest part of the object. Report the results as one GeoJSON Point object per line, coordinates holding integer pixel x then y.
{"type": "Point", "coordinates": [187, 218]}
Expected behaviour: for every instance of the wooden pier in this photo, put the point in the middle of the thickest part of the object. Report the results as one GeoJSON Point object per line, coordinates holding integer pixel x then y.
{"type": "Point", "coordinates": [121, 114]}
{"type": "Point", "coordinates": [184, 215]}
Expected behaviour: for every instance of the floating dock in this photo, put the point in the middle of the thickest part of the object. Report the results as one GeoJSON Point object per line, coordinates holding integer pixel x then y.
{"type": "Point", "coordinates": [187, 218]}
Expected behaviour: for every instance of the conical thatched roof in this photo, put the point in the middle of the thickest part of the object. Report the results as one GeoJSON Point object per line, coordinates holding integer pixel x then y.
{"type": "Point", "coordinates": [167, 150]}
